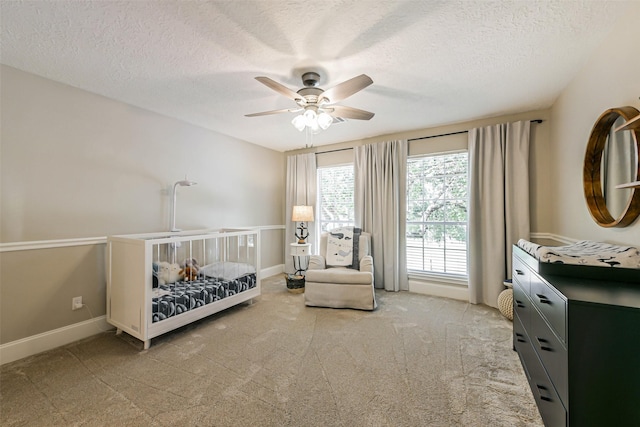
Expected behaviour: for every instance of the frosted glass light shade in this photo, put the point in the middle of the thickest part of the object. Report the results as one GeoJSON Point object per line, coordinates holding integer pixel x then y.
{"type": "Point", "coordinates": [310, 117]}
{"type": "Point", "coordinates": [298, 122]}
{"type": "Point", "coordinates": [324, 120]}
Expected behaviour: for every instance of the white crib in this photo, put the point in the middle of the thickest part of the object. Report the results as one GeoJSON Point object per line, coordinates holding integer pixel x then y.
{"type": "Point", "coordinates": [145, 303]}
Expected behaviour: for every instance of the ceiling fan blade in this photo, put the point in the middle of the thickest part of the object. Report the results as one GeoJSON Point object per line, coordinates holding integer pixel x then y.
{"type": "Point", "coordinates": [282, 90]}
{"type": "Point", "coordinates": [266, 113]}
{"type": "Point", "coordinates": [345, 89]}
{"type": "Point", "coordinates": [350, 112]}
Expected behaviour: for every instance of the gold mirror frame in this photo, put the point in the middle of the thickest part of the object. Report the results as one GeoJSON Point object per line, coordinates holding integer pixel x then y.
{"type": "Point", "coordinates": [593, 163]}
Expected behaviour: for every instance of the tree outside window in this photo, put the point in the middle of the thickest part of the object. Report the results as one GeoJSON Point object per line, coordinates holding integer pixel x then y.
{"type": "Point", "coordinates": [437, 214]}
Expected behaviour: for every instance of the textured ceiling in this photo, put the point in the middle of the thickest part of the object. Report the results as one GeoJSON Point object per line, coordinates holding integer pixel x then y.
{"type": "Point", "coordinates": [432, 62]}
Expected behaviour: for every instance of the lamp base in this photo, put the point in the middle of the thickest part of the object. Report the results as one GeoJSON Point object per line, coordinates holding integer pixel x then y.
{"type": "Point", "coordinates": [302, 234]}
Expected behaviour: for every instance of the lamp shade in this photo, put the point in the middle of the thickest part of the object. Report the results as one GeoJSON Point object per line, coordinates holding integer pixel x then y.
{"type": "Point", "coordinates": [302, 213]}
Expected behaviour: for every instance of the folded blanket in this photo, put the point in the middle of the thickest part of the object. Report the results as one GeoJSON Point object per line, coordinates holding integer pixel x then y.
{"type": "Point", "coordinates": [585, 252]}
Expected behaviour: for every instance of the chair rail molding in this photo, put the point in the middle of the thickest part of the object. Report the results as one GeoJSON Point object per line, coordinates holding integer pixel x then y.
{"type": "Point", "coordinates": [47, 244]}
{"type": "Point", "coordinates": [83, 241]}
{"type": "Point", "coordinates": [556, 237]}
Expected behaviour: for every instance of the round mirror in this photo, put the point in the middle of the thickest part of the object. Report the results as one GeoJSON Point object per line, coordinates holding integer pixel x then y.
{"type": "Point", "coordinates": [611, 159]}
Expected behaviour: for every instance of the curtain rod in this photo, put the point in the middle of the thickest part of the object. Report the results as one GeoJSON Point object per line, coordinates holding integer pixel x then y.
{"type": "Point", "coordinates": [333, 151]}
{"type": "Point", "coordinates": [417, 139]}
{"type": "Point", "coordinates": [459, 132]}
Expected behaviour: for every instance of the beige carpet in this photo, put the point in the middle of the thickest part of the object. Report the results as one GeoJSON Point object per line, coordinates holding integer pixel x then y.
{"type": "Point", "coordinates": [415, 361]}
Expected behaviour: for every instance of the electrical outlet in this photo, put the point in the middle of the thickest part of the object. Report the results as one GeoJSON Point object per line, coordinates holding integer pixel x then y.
{"type": "Point", "coordinates": [76, 303]}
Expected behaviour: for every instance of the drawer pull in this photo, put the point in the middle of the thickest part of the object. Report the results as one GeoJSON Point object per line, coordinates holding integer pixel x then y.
{"type": "Point", "coordinates": [544, 344]}
{"type": "Point", "coordinates": [543, 299]}
{"type": "Point", "coordinates": [519, 272]}
{"type": "Point", "coordinates": [519, 304]}
{"type": "Point", "coordinates": [520, 337]}
{"type": "Point", "coordinates": [541, 389]}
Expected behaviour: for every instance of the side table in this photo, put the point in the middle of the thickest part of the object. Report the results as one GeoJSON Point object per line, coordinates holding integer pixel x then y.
{"type": "Point", "coordinates": [300, 253]}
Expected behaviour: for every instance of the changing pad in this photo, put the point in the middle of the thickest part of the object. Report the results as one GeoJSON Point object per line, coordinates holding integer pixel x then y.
{"type": "Point", "coordinates": [585, 252]}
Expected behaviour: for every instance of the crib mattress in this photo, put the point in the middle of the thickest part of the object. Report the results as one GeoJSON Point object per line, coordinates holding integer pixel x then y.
{"type": "Point", "coordinates": [176, 298]}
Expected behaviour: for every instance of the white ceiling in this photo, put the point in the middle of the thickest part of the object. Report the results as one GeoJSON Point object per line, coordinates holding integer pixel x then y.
{"type": "Point", "coordinates": [432, 62]}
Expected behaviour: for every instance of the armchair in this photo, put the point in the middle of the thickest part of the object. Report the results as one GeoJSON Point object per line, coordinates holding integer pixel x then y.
{"type": "Point", "coordinates": [341, 287]}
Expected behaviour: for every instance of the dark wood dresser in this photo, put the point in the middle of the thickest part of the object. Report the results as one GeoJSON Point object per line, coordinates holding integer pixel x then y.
{"type": "Point", "coordinates": [577, 332]}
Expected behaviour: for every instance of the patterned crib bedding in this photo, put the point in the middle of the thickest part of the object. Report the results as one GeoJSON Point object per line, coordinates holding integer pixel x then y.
{"type": "Point", "coordinates": [585, 252]}
{"type": "Point", "coordinates": [176, 298]}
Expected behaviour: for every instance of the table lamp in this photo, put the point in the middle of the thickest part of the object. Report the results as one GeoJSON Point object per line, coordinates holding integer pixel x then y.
{"type": "Point", "coordinates": [302, 214]}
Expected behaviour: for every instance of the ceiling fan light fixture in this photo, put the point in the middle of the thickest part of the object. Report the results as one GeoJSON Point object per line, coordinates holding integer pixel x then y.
{"type": "Point", "coordinates": [312, 120]}
{"type": "Point", "coordinates": [318, 104]}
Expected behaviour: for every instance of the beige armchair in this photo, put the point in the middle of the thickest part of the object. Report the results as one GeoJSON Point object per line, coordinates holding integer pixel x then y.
{"type": "Point", "coordinates": [341, 287]}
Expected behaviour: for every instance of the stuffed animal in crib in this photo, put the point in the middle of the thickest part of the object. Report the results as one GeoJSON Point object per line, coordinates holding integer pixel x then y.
{"type": "Point", "coordinates": [168, 273]}
{"type": "Point", "coordinates": [190, 262]}
{"type": "Point", "coordinates": [190, 273]}
{"type": "Point", "coordinates": [190, 269]}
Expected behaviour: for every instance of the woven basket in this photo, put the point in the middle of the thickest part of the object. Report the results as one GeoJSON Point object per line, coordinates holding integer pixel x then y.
{"type": "Point", "coordinates": [295, 284]}
{"type": "Point", "coordinates": [505, 303]}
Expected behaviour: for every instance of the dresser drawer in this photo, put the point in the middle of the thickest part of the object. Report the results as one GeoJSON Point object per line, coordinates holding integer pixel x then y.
{"type": "Point", "coordinates": [522, 344]}
{"type": "Point", "coordinates": [521, 273]}
{"type": "Point", "coordinates": [521, 303]}
{"type": "Point", "coordinates": [549, 404]}
{"type": "Point", "coordinates": [551, 408]}
{"type": "Point", "coordinates": [552, 354]}
{"type": "Point", "coordinates": [552, 306]}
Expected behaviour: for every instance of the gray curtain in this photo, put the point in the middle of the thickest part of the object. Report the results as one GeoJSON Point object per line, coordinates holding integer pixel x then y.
{"type": "Point", "coordinates": [301, 190]}
{"type": "Point", "coordinates": [380, 209]}
{"type": "Point", "coordinates": [498, 205]}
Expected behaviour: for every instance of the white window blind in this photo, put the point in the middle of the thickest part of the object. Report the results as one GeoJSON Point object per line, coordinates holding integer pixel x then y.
{"type": "Point", "coordinates": [335, 197]}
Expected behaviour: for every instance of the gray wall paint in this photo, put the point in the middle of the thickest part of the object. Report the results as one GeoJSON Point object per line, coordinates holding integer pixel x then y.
{"type": "Point", "coordinates": [75, 164]}
{"type": "Point", "coordinates": [38, 285]}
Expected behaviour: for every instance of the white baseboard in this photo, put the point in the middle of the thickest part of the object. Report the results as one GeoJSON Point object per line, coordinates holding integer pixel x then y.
{"type": "Point", "coordinates": [19, 349]}
{"type": "Point", "coordinates": [29, 346]}
{"type": "Point", "coordinates": [439, 290]}
{"type": "Point", "coordinates": [272, 271]}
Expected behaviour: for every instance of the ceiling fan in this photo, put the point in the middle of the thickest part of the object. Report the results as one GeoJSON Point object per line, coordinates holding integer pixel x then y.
{"type": "Point", "coordinates": [317, 106]}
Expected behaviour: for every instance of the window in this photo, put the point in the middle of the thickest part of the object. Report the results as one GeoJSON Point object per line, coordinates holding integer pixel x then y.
{"type": "Point", "coordinates": [335, 197]}
{"type": "Point", "coordinates": [437, 214]}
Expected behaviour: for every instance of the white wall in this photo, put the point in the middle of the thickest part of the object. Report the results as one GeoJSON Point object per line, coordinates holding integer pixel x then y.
{"type": "Point", "coordinates": [611, 78]}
